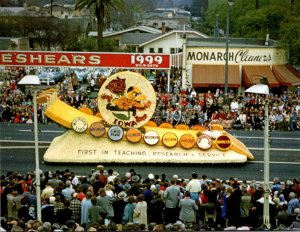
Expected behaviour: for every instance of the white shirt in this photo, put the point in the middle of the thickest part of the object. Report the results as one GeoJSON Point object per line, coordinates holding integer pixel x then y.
{"type": "Point", "coordinates": [194, 185]}
{"type": "Point", "coordinates": [234, 106]}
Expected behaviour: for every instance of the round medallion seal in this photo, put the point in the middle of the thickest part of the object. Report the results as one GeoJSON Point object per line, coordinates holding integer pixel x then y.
{"type": "Point", "coordinates": [169, 139]}
{"type": "Point", "coordinates": [187, 141]}
{"type": "Point", "coordinates": [115, 133]}
{"type": "Point", "coordinates": [79, 124]}
{"type": "Point", "coordinates": [97, 129]}
{"type": "Point", "coordinates": [223, 142]}
{"type": "Point", "coordinates": [134, 135]}
{"type": "Point", "coordinates": [204, 142]}
{"type": "Point", "coordinates": [127, 99]}
{"type": "Point", "coordinates": [151, 137]}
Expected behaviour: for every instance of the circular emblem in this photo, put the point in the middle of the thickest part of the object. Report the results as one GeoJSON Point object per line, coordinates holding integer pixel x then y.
{"type": "Point", "coordinates": [134, 135]}
{"type": "Point", "coordinates": [204, 142]}
{"type": "Point", "coordinates": [79, 124]}
{"type": "Point", "coordinates": [151, 137]}
{"type": "Point", "coordinates": [97, 129]}
{"type": "Point", "coordinates": [115, 133]}
{"type": "Point", "coordinates": [187, 141]}
{"type": "Point", "coordinates": [169, 139]}
{"type": "Point", "coordinates": [223, 142]}
{"type": "Point", "coordinates": [127, 99]}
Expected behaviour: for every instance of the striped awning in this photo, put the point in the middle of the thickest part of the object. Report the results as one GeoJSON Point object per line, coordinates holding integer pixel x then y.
{"type": "Point", "coordinates": [214, 76]}
{"type": "Point", "coordinates": [285, 76]}
{"type": "Point", "coordinates": [251, 75]}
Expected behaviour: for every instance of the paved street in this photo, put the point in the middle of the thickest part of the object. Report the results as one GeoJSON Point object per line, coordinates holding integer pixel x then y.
{"type": "Point", "coordinates": [17, 153]}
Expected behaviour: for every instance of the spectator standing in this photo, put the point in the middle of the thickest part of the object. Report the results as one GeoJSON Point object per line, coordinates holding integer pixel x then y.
{"type": "Point", "coordinates": [194, 187]}
{"type": "Point", "coordinates": [172, 196]}
{"type": "Point", "coordinates": [97, 184]}
{"type": "Point", "coordinates": [140, 215]}
{"type": "Point", "coordinates": [129, 210]}
{"type": "Point", "coordinates": [23, 212]}
{"type": "Point", "coordinates": [245, 206]}
{"type": "Point", "coordinates": [57, 204]}
{"type": "Point", "coordinates": [68, 191]}
{"type": "Point", "coordinates": [156, 208]}
{"type": "Point", "coordinates": [55, 181]}
{"type": "Point", "coordinates": [47, 211]}
{"type": "Point", "coordinates": [105, 202]}
{"type": "Point", "coordinates": [85, 205]}
{"type": "Point", "coordinates": [94, 212]}
{"type": "Point", "coordinates": [234, 206]}
{"type": "Point", "coordinates": [119, 206]}
{"type": "Point", "coordinates": [293, 203]}
{"type": "Point", "coordinates": [48, 191]}
{"type": "Point", "coordinates": [188, 208]}
{"type": "Point", "coordinates": [75, 206]}
{"type": "Point", "coordinates": [283, 218]}
{"type": "Point", "coordinates": [65, 214]}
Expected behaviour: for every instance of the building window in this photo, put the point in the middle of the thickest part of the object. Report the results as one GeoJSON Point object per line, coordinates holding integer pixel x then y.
{"type": "Point", "coordinates": [151, 50]}
{"type": "Point", "coordinates": [141, 50]}
{"type": "Point", "coordinates": [175, 50]}
{"type": "Point", "coordinates": [160, 50]}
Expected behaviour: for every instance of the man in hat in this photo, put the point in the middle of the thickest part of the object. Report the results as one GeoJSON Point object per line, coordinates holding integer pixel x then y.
{"type": "Point", "coordinates": [119, 206]}
{"type": "Point", "coordinates": [100, 169]}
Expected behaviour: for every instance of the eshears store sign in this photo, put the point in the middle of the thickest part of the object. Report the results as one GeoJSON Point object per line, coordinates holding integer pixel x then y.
{"type": "Point", "coordinates": [84, 59]}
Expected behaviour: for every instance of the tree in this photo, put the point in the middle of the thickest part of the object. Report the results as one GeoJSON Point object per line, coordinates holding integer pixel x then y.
{"type": "Point", "coordinates": [101, 9]}
{"type": "Point", "coordinates": [278, 18]}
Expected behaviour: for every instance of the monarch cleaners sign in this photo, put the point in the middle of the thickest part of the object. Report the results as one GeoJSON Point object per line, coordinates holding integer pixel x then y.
{"type": "Point", "coordinates": [236, 56]}
{"type": "Point", "coordinates": [83, 59]}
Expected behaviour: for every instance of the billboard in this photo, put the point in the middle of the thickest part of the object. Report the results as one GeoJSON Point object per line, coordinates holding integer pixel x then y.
{"type": "Point", "coordinates": [85, 59]}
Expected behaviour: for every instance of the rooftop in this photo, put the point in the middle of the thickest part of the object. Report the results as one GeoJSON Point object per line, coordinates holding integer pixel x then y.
{"type": "Point", "coordinates": [233, 42]}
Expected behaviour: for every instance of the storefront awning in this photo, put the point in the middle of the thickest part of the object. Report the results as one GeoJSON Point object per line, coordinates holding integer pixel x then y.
{"type": "Point", "coordinates": [251, 75]}
{"type": "Point", "coordinates": [214, 76]}
{"type": "Point", "coordinates": [285, 76]}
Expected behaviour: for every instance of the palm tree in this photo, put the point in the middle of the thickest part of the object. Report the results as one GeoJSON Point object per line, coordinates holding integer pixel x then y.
{"type": "Point", "coordinates": [101, 8]}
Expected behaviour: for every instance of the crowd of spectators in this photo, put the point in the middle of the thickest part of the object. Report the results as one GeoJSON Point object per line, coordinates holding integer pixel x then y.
{"type": "Point", "coordinates": [175, 105]}
{"type": "Point", "coordinates": [108, 201]}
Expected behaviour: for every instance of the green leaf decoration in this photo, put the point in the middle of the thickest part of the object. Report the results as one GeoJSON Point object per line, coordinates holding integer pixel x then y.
{"type": "Point", "coordinates": [122, 116]}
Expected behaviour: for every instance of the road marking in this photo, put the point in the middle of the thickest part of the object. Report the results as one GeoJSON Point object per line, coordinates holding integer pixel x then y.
{"type": "Point", "coordinates": [270, 137]}
{"type": "Point", "coordinates": [272, 149]}
{"type": "Point", "coordinates": [21, 141]}
{"type": "Point", "coordinates": [44, 131]}
{"type": "Point", "coordinates": [275, 162]}
{"type": "Point", "coordinates": [21, 147]}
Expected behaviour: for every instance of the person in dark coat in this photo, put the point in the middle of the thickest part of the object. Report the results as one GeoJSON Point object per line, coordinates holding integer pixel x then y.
{"type": "Point", "coordinates": [119, 206]}
{"type": "Point", "coordinates": [47, 211]}
{"type": "Point", "coordinates": [234, 206]}
{"type": "Point", "coordinates": [23, 212]}
{"type": "Point", "coordinates": [156, 208]}
{"type": "Point", "coordinates": [65, 214]}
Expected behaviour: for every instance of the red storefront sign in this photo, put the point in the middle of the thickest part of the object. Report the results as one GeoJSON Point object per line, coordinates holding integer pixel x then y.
{"type": "Point", "coordinates": [85, 59]}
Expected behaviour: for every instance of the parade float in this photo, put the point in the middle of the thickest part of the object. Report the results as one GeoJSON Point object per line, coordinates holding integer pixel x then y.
{"type": "Point", "coordinates": [124, 133]}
